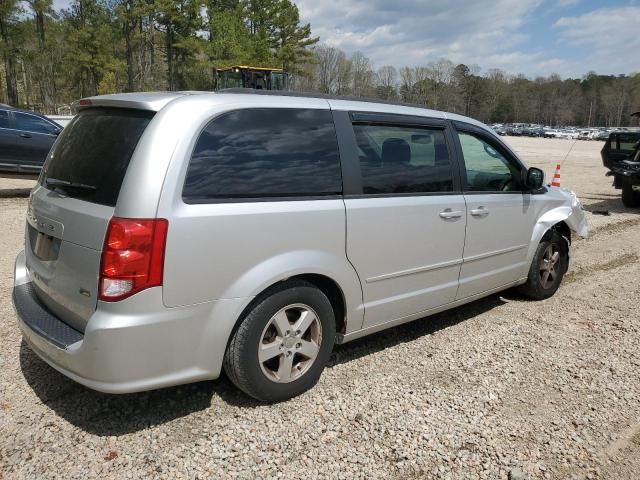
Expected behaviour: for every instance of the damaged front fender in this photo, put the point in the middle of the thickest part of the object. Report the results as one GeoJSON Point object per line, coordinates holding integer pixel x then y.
{"type": "Point", "coordinates": [569, 211]}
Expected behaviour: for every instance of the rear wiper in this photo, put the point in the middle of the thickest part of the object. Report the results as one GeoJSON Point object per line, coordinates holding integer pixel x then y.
{"type": "Point", "coordinates": [56, 182]}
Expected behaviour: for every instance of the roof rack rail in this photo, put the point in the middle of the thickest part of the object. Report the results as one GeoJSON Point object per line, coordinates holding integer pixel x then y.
{"type": "Point", "coordinates": [350, 98]}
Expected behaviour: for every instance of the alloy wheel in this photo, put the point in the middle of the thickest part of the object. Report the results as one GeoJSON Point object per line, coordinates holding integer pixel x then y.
{"type": "Point", "coordinates": [550, 266]}
{"type": "Point", "coordinates": [290, 343]}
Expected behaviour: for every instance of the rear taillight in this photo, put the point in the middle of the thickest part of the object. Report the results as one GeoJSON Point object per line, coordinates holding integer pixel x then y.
{"type": "Point", "coordinates": [132, 257]}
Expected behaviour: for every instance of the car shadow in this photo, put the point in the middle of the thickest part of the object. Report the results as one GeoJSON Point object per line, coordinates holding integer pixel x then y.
{"type": "Point", "coordinates": [112, 415]}
{"type": "Point", "coordinates": [605, 203]}
{"type": "Point", "coordinates": [416, 329]}
{"type": "Point", "coordinates": [15, 192]}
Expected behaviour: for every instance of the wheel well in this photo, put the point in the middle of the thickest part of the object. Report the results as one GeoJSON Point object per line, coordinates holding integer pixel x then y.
{"type": "Point", "coordinates": [331, 289]}
{"type": "Point", "coordinates": [563, 229]}
{"type": "Point", "coordinates": [328, 286]}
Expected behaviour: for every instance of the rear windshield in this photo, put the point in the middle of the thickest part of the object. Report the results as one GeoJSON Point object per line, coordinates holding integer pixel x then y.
{"type": "Point", "coordinates": [91, 156]}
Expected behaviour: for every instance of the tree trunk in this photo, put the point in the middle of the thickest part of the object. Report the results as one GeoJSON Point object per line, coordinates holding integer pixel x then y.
{"type": "Point", "coordinates": [171, 74]}
{"type": "Point", "coordinates": [12, 90]}
{"type": "Point", "coordinates": [129, 54]}
{"type": "Point", "coordinates": [40, 28]}
{"type": "Point", "coordinates": [27, 87]}
{"type": "Point", "coordinates": [9, 66]}
{"type": "Point", "coordinates": [129, 28]}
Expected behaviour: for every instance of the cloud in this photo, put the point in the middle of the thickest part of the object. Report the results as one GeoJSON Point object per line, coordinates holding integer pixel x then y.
{"type": "Point", "coordinates": [608, 35]}
{"type": "Point", "coordinates": [568, 3]}
{"type": "Point", "coordinates": [514, 35]}
{"type": "Point", "coordinates": [411, 32]}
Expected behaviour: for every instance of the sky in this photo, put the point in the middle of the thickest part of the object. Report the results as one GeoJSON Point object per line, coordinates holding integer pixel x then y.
{"type": "Point", "coordinates": [533, 37]}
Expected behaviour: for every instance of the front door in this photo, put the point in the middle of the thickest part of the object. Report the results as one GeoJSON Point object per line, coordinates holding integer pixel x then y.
{"type": "Point", "coordinates": [405, 231]}
{"type": "Point", "coordinates": [500, 215]}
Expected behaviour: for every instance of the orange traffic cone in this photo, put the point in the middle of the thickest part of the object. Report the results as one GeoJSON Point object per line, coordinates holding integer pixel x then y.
{"type": "Point", "coordinates": [556, 177]}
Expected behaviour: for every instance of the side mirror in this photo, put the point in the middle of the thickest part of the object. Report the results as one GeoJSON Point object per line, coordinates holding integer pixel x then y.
{"type": "Point", "coordinates": [535, 178]}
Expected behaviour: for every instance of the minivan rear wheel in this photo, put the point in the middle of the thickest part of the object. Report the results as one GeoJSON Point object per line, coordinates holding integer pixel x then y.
{"type": "Point", "coordinates": [283, 343]}
{"type": "Point", "coordinates": [548, 267]}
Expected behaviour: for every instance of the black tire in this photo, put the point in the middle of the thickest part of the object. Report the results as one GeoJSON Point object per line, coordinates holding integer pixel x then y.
{"type": "Point", "coordinates": [630, 197]}
{"type": "Point", "coordinates": [538, 287]}
{"type": "Point", "coordinates": [241, 363]}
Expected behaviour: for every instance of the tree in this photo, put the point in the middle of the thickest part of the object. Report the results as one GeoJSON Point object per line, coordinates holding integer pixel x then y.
{"type": "Point", "coordinates": [386, 80]}
{"type": "Point", "coordinates": [42, 58]}
{"type": "Point", "coordinates": [180, 21]}
{"type": "Point", "coordinates": [362, 75]}
{"type": "Point", "coordinates": [9, 11]}
{"type": "Point", "coordinates": [277, 37]}
{"type": "Point", "coordinates": [328, 60]}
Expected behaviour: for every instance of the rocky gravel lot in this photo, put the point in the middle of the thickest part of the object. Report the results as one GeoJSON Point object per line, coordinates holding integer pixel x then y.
{"type": "Point", "coordinates": [501, 388]}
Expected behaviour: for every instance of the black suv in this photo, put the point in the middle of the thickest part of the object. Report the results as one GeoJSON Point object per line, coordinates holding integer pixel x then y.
{"type": "Point", "coordinates": [25, 140]}
{"type": "Point", "coordinates": [621, 155]}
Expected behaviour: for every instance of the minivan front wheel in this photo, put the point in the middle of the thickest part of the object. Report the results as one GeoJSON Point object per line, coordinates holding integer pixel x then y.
{"type": "Point", "coordinates": [548, 267]}
{"type": "Point", "coordinates": [283, 343]}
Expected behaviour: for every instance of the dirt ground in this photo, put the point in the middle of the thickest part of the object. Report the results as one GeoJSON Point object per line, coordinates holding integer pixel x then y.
{"type": "Point", "coordinates": [500, 388]}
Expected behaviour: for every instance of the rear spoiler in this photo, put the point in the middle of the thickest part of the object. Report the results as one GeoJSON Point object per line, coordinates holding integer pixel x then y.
{"type": "Point", "coordinates": [153, 101]}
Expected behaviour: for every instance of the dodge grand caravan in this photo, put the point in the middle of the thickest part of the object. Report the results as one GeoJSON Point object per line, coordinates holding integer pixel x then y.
{"type": "Point", "coordinates": [174, 235]}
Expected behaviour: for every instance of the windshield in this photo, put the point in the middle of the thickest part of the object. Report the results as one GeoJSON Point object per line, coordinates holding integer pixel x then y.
{"type": "Point", "coordinates": [278, 81]}
{"type": "Point", "coordinates": [91, 156]}
{"type": "Point", "coordinates": [231, 80]}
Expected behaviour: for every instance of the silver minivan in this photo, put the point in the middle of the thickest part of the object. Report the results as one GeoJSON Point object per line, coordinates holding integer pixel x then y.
{"type": "Point", "coordinates": [174, 235]}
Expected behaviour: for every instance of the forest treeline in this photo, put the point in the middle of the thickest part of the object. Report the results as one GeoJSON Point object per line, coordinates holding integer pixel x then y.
{"type": "Point", "coordinates": [490, 96]}
{"type": "Point", "coordinates": [52, 57]}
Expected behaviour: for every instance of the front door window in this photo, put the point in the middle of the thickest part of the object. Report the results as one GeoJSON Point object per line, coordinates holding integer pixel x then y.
{"type": "Point", "coordinates": [487, 170]}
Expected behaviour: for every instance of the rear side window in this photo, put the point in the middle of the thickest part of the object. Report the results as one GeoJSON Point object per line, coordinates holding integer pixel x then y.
{"type": "Point", "coordinates": [92, 154]}
{"type": "Point", "coordinates": [31, 123]}
{"type": "Point", "coordinates": [265, 153]}
{"type": "Point", "coordinates": [628, 141]}
{"type": "Point", "coordinates": [398, 159]}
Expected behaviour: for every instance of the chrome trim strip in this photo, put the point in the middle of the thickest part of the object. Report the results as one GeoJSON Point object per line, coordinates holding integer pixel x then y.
{"type": "Point", "coordinates": [482, 256]}
{"type": "Point", "coordinates": [412, 271]}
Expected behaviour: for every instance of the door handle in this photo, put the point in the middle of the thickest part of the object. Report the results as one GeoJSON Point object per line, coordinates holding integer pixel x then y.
{"type": "Point", "coordinates": [448, 214]}
{"type": "Point", "coordinates": [25, 135]}
{"type": "Point", "coordinates": [479, 212]}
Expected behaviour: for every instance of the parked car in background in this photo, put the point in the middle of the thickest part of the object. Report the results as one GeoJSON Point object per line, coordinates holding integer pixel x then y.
{"type": "Point", "coordinates": [570, 134]}
{"type": "Point", "coordinates": [25, 140]}
{"type": "Point", "coordinates": [62, 120]}
{"type": "Point", "coordinates": [250, 232]}
{"type": "Point", "coordinates": [601, 135]}
{"type": "Point", "coordinates": [584, 135]}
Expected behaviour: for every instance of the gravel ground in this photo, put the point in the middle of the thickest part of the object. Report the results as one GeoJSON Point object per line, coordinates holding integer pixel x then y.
{"type": "Point", "coordinates": [501, 388]}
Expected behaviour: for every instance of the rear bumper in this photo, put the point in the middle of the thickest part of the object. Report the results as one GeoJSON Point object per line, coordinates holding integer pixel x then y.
{"type": "Point", "coordinates": [129, 346]}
